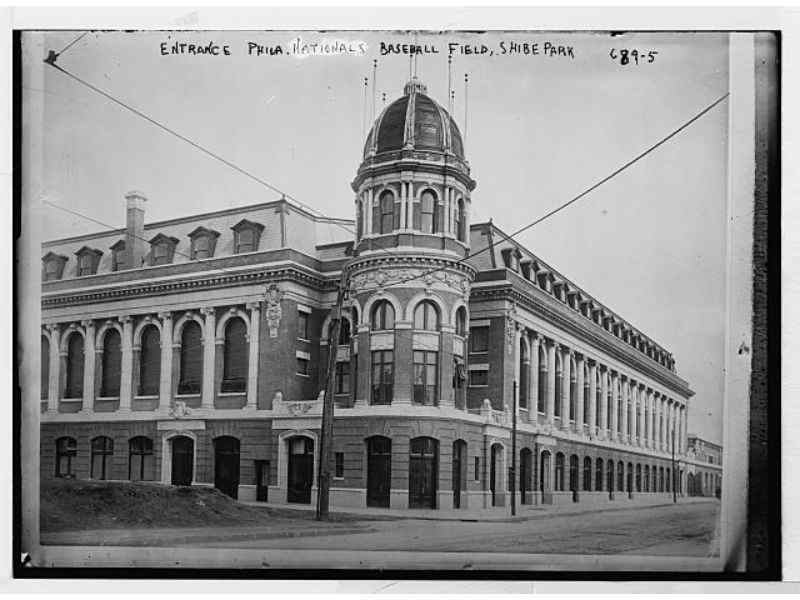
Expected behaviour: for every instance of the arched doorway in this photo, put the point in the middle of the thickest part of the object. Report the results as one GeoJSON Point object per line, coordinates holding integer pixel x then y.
{"type": "Point", "coordinates": [495, 474]}
{"type": "Point", "coordinates": [300, 474]}
{"type": "Point", "coordinates": [459, 470]}
{"type": "Point", "coordinates": [182, 460]}
{"type": "Point", "coordinates": [423, 472]}
{"type": "Point", "coordinates": [525, 475]}
{"type": "Point", "coordinates": [379, 471]}
{"type": "Point", "coordinates": [226, 465]}
{"type": "Point", "coordinates": [544, 478]}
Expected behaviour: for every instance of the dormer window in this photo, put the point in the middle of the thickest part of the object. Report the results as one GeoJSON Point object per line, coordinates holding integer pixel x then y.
{"type": "Point", "coordinates": [118, 256]}
{"type": "Point", "coordinates": [246, 236]}
{"type": "Point", "coordinates": [525, 267]}
{"type": "Point", "coordinates": [162, 249]}
{"type": "Point", "coordinates": [88, 260]}
{"type": "Point", "coordinates": [53, 266]}
{"type": "Point", "coordinates": [511, 258]}
{"type": "Point", "coordinates": [203, 242]}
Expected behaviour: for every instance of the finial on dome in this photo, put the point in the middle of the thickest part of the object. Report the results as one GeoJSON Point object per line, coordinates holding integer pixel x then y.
{"type": "Point", "coordinates": [415, 86]}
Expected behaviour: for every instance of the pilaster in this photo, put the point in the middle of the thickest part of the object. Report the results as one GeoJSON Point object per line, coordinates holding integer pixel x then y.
{"type": "Point", "coordinates": [88, 365]}
{"type": "Point", "coordinates": [551, 382]}
{"type": "Point", "coordinates": [592, 399]}
{"type": "Point", "coordinates": [209, 352]}
{"type": "Point", "coordinates": [565, 386]}
{"type": "Point", "coordinates": [252, 357]}
{"type": "Point", "coordinates": [55, 376]}
{"type": "Point", "coordinates": [165, 383]}
{"type": "Point", "coordinates": [126, 374]}
{"type": "Point", "coordinates": [579, 393]}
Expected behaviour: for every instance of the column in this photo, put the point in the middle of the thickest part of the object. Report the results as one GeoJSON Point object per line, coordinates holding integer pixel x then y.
{"type": "Point", "coordinates": [209, 354]}
{"type": "Point", "coordinates": [625, 399]}
{"type": "Point", "coordinates": [669, 425]}
{"type": "Point", "coordinates": [640, 414]}
{"type": "Point", "coordinates": [566, 355]}
{"type": "Point", "coordinates": [52, 384]}
{"type": "Point", "coordinates": [592, 398]}
{"type": "Point", "coordinates": [634, 390]}
{"type": "Point", "coordinates": [604, 403]}
{"type": "Point", "coordinates": [579, 398]}
{"type": "Point", "coordinates": [252, 356]}
{"type": "Point", "coordinates": [126, 375]}
{"type": "Point", "coordinates": [651, 406]}
{"type": "Point", "coordinates": [88, 365]}
{"type": "Point", "coordinates": [534, 395]}
{"type": "Point", "coordinates": [551, 382]}
{"type": "Point", "coordinates": [614, 405]}
{"type": "Point", "coordinates": [165, 383]}
{"type": "Point", "coordinates": [662, 435]}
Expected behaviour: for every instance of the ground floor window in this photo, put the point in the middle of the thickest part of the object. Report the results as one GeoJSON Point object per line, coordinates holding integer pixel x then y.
{"type": "Point", "coordinates": [140, 459]}
{"type": "Point", "coordinates": [66, 450]}
{"type": "Point", "coordinates": [559, 483]}
{"type": "Point", "coordinates": [339, 465]}
{"type": "Point", "coordinates": [102, 448]}
{"type": "Point", "coordinates": [587, 474]}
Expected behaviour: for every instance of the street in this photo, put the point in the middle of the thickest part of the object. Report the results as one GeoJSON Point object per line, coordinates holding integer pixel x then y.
{"type": "Point", "coordinates": [679, 530]}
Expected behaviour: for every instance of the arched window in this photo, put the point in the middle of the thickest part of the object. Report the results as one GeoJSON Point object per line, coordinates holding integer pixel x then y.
{"type": "Point", "coordinates": [524, 366]}
{"type": "Point", "coordinates": [429, 208]}
{"type": "Point", "coordinates": [661, 479]}
{"type": "Point", "coordinates": [461, 221]}
{"type": "Point", "coordinates": [461, 322]}
{"type": "Point", "coordinates": [559, 385]}
{"type": "Point", "coordinates": [235, 363]}
{"type": "Point", "coordinates": [599, 474]}
{"type": "Point", "coordinates": [140, 459]}
{"type": "Point", "coordinates": [74, 387]}
{"type": "Point", "coordinates": [646, 484]}
{"type": "Point", "coordinates": [638, 477]}
{"type": "Point", "coordinates": [111, 364]}
{"type": "Point", "coordinates": [66, 450]}
{"type": "Point", "coordinates": [559, 483]}
{"type": "Point", "coordinates": [667, 480]}
{"type": "Point", "coordinates": [610, 478]}
{"type": "Point", "coordinates": [426, 316]}
{"type": "Point", "coordinates": [599, 399]}
{"type": "Point", "coordinates": [573, 386]}
{"type": "Point", "coordinates": [587, 474]}
{"type": "Point", "coordinates": [191, 375]}
{"type": "Point", "coordinates": [344, 332]}
{"type": "Point", "coordinates": [383, 214]}
{"type": "Point", "coordinates": [629, 481]}
{"type": "Point", "coordinates": [586, 401]}
{"type": "Point", "coordinates": [102, 449]}
{"type": "Point", "coordinates": [609, 405]}
{"type": "Point", "coordinates": [150, 361]}
{"type": "Point", "coordinates": [620, 476]}
{"type": "Point", "coordinates": [383, 316]}
{"type": "Point", "coordinates": [45, 368]}
{"type": "Point", "coordinates": [573, 473]}
{"type": "Point", "coordinates": [542, 388]}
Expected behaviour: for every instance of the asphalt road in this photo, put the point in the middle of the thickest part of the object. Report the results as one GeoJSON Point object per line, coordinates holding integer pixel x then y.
{"type": "Point", "coordinates": [679, 530]}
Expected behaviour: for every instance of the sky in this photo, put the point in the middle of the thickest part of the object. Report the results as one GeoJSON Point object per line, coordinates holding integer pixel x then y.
{"type": "Point", "coordinates": [539, 129]}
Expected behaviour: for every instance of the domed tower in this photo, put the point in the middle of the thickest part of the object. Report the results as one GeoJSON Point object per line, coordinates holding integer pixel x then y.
{"type": "Point", "coordinates": [408, 277]}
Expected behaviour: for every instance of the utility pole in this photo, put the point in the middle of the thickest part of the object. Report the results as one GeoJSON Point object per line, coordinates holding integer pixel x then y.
{"type": "Point", "coordinates": [326, 434]}
{"type": "Point", "coordinates": [514, 451]}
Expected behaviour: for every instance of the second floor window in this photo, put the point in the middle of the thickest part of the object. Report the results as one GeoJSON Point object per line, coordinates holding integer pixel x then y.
{"type": "Point", "coordinates": [382, 376]}
{"type": "Point", "coordinates": [235, 361]}
{"type": "Point", "coordinates": [191, 362]}
{"type": "Point", "coordinates": [302, 326]}
{"type": "Point", "coordinates": [425, 377]}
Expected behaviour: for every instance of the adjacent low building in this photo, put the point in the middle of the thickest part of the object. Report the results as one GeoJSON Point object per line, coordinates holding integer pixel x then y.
{"type": "Point", "coordinates": [193, 351]}
{"type": "Point", "coordinates": [703, 467]}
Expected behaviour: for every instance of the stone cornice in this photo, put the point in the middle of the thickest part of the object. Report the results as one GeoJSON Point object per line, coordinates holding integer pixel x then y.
{"type": "Point", "coordinates": [202, 282]}
{"type": "Point", "coordinates": [409, 260]}
{"type": "Point", "coordinates": [562, 317]}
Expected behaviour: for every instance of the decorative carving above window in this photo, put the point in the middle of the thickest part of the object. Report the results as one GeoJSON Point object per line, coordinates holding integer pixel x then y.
{"type": "Point", "coordinates": [162, 249]}
{"type": "Point", "coordinates": [204, 241]}
{"type": "Point", "coordinates": [246, 236]}
{"type": "Point", "coordinates": [53, 266]}
{"type": "Point", "coordinates": [88, 260]}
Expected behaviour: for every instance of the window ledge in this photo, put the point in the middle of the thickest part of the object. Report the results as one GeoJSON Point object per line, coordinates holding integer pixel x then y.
{"type": "Point", "coordinates": [187, 396]}
{"type": "Point", "coordinates": [107, 398]}
{"type": "Point", "coordinates": [156, 397]}
{"type": "Point", "coordinates": [70, 400]}
{"type": "Point", "coordinates": [486, 385]}
{"type": "Point", "coordinates": [306, 375]}
{"type": "Point", "coordinates": [229, 394]}
{"type": "Point", "coordinates": [304, 340]}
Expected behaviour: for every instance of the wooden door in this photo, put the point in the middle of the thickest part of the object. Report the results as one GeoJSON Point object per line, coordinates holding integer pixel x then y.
{"type": "Point", "coordinates": [182, 460]}
{"type": "Point", "coordinates": [301, 470]}
{"type": "Point", "coordinates": [379, 471]}
{"type": "Point", "coordinates": [226, 466]}
{"type": "Point", "coordinates": [423, 473]}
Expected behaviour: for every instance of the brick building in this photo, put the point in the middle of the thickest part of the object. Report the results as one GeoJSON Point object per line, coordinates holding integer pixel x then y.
{"type": "Point", "coordinates": [193, 351]}
{"type": "Point", "coordinates": [704, 467]}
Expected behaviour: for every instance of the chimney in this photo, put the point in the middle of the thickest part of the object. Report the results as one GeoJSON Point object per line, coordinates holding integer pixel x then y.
{"type": "Point", "coordinates": [136, 246]}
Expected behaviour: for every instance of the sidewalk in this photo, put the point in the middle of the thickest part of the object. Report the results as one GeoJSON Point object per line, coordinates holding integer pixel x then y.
{"type": "Point", "coordinates": [501, 514]}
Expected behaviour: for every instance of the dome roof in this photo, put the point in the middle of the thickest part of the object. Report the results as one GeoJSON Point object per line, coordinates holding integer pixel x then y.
{"type": "Point", "coordinates": [414, 121]}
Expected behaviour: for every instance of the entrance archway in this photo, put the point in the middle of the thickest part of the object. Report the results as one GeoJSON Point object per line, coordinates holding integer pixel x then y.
{"type": "Point", "coordinates": [495, 474]}
{"type": "Point", "coordinates": [226, 465]}
{"type": "Point", "coordinates": [423, 472]}
{"type": "Point", "coordinates": [545, 482]}
{"type": "Point", "coordinates": [379, 471]}
{"type": "Point", "coordinates": [525, 475]}
{"type": "Point", "coordinates": [459, 470]}
{"type": "Point", "coordinates": [300, 472]}
{"type": "Point", "coordinates": [182, 460]}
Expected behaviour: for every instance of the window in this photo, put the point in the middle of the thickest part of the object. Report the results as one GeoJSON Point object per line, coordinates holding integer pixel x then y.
{"type": "Point", "coordinates": [88, 261]}
{"type": "Point", "coordinates": [425, 377]}
{"type": "Point", "coordinates": [344, 332]}
{"type": "Point", "coordinates": [559, 482]}
{"type": "Point", "coordinates": [246, 236]}
{"type": "Point", "coordinates": [191, 363]}
{"type": "Point", "coordinates": [386, 221]}
{"type": "Point", "coordinates": [150, 362]}
{"type": "Point", "coordinates": [524, 367]}
{"type": "Point", "coordinates": [478, 378]}
{"type": "Point", "coordinates": [75, 359]}
{"type": "Point", "coordinates": [342, 378]}
{"type": "Point", "coordinates": [382, 376]}
{"type": "Point", "coordinates": [162, 249]}
{"type": "Point", "coordinates": [359, 220]}
{"type": "Point", "coordinates": [102, 448]}
{"type": "Point", "coordinates": [66, 450]}
{"type": "Point", "coordinates": [479, 340]}
{"type": "Point", "coordinates": [638, 478]}
{"type": "Point", "coordinates": [383, 316]}
{"type": "Point", "coordinates": [111, 364]}
{"type": "Point", "coordinates": [542, 389]}
{"type": "Point", "coordinates": [302, 325]}
{"type": "Point", "coordinates": [140, 459]}
{"type": "Point", "coordinates": [667, 479]}
{"type": "Point", "coordinates": [339, 470]}
{"type": "Point", "coordinates": [461, 322]}
{"type": "Point", "coordinates": [203, 242]}
{"type": "Point", "coordinates": [598, 479]}
{"type": "Point", "coordinates": [573, 386]}
{"type": "Point", "coordinates": [118, 256]}
{"type": "Point", "coordinates": [587, 474]}
{"type": "Point", "coordinates": [428, 206]}
{"type": "Point", "coordinates": [302, 366]}
{"type": "Point", "coordinates": [426, 316]}
{"type": "Point", "coordinates": [45, 370]}
{"type": "Point", "coordinates": [235, 362]}
{"type": "Point", "coordinates": [477, 475]}
{"type": "Point", "coordinates": [53, 266]}
{"type": "Point", "coordinates": [620, 476]}
{"type": "Point", "coordinates": [573, 473]}
{"type": "Point", "coordinates": [461, 221]}
{"type": "Point", "coordinates": [559, 385]}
